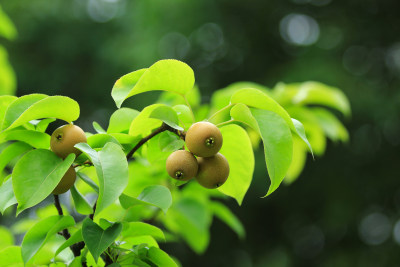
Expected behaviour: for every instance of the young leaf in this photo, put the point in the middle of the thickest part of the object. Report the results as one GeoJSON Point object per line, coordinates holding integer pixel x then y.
{"type": "Point", "coordinates": [98, 240]}
{"type": "Point", "coordinates": [99, 140]}
{"type": "Point", "coordinates": [276, 136]}
{"type": "Point", "coordinates": [166, 75]}
{"type": "Point", "coordinates": [225, 215]}
{"type": "Point", "coordinates": [81, 204]}
{"type": "Point", "coordinates": [257, 99]}
{"type": "Point", "coordinates": [140, 229]}
{"type": "Point", "coordinates": [7, 197]}
{"type": "Point", "coordinates": [75, 238]}
{"type": "Point", "coordinates": [143, 124]}
{"type": "Point", "coordinates": [41, 232]}
{"type": "Point", "coordinates": [332, 127]}
{"type": "Point", "coordinates": [112, 171]}
{"type": "Point", "coordinates": [17, 107]}
{"type": "Point", "coordinates": [124, 85]}
{"type": "Point", "coordinates": [167, 115]}
{"type": "Point", "coordinates": [298, 161]}
{"type": "Point", "coordinates": [321, 94]}
{"type": "Point", "coordinates": [36, 175]}
{"type": "Point", "coordinates": [33, 138]}
{"type": "Point", "coordinates": [155, 195]}
{"type": "Point", "coordinates": [160, 258]}
{"type": "Point", "coordinates": [97, 127]}
{"type": "Point", "coordinates": [11, 152]}
{"type": "Point", "coordinates": [184, 115]}
{"type": "Point", "coordinates": [43, 124]}
{"type": "Point", "coordinates": [238, 151]}
{"type": "Point", "coordinates": [121, 120]}
{"type": "Point", "coordinates": [31, 107]}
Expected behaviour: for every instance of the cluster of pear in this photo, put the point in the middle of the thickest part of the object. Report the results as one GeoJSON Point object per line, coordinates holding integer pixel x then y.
{"type": "Point", "coordinates": [210, 168]}
{"type": "Point", "coordinates": [62, 143]}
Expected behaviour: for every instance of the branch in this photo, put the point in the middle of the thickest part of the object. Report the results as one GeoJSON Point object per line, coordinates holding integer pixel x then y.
{"type": "Point", "coordinates": [76, 248]}
{"type": "Point", "coordinates": [164, 127]}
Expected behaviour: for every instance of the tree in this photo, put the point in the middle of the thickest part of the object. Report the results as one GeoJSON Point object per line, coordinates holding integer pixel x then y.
{"type": "Point", "coordinates": [123, 190]}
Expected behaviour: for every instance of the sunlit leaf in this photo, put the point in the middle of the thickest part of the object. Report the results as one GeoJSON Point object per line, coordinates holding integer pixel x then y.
{"type": "Point", "coordinates": [7, 197]}
{"type": "Point", "coordinates": [37, 106]}
{"type": "Point", "coordinates": [11, 152]}
{"type": "Point", "coordinates": [7, 28]}
{"type": "Point", "coordinates": [160, 258]}
{"type": "Point", "coordinates": [81, 204]}
{"type": "Point", "coordinates": [167, 115]}
{"type": "Point", "coordinates": [34, 138]}
{"type": "Point", "coordinates": [225, 215]}
{"type": "Point", "coordinates": [166, 75]}
{"type": "Point", "coordinates": [121, 120]}
{"type": "Point", "coordinates": [112, 171]}
{"type": "Point", "coordinates": [238, 151]}
{"type": "Point", "coordinates": [75, 238]}
{"type": "Point", "coordinates": [141, 229]}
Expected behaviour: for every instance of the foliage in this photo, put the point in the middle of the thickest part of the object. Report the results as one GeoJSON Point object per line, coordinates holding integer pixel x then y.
{"type": "Point", "coordinates": [123, 186]}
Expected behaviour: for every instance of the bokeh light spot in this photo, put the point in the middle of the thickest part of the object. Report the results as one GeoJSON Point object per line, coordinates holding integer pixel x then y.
{"type": "Point", "coordinates": [299, 29]}
{"type": "Point", "coordinates": [375, 228]}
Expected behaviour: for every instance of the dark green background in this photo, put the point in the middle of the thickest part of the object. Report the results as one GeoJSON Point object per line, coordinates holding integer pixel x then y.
{"type": "Point", "coordinates": [343, 209]}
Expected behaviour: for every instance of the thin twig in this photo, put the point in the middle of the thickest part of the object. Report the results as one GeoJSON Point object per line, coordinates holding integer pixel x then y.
{"type": "Point", "coordinates": [162, 128]}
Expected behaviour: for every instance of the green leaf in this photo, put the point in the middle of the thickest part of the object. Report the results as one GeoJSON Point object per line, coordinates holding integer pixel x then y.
{"type": "Point", "coordinates": [7, 197]}
{"type": "Point", "coordinates": [141, 229]}
{"type": "Point", "coordinates": [112, 171]}
{"type": "Point", "coordinates": [169, 142]}
{"type": "Point", "coordinates": [121, 120]}
{"type": "Point", "coordinates": [143, 124]}
{"type": "Point", "coordinates": [43, 124]}
{"type": "Point", "coordinates": [301, 132]}
{"type": "Point", "coordinates": [41, 232]}
{"type": "Point", "coordinates": [98, 240]}
{"type": "Point", "coordinates": [278, 145]}
{"type": "Point", "coordinates": [98, 128]}
{"type": "Point", "coordinates": [88, 181]}
{"type": "Point", "coordinates": [277, 140]}
{"type": "Point", "coordinates": [17, 107]}
{"type": "Point", "coordinates": [123, 86]}
{"type": "Point", "coordinates": [5, 101]}
{"type": "Point", "coordinates": [258, 99]}
{"type": "Point", "coordinates": [36, 175]}
{"type": "Point", "coordinates": [11, 152]}
{"type": "Point", "coordinates": [238, 151]}
{"type": "Point", "coordinates": [191, 219]}
{"type": "Point", "coordinates": [320, 94]}
{"type": "Point", "coordinates": [36, 106]}
{"type": "Point", "coordinates": [166, 75]}
{"type": "Point", "coordinates": [167, 115]}
{"type": "Point", "coordinates": [331, 126]}
{"type": "Point", "coordinates": [11, 257]}
{"type": "Point", "coordinates": [160, 258]}
{"type": "Point", "coordinates": [184, 115]}
{"type": "Point", "coordinates": [100, 140]}
{"type": "Point", "coordinates": [8, 79]}
{"type": "Point", "coordinates": [81, 204]}
{"type": "Point", "coordinates": [33, 138]}
{"type": "Point", "coordinates": [155, 195]}
{"type": "Point", "coordinates": [7, 238]}
{"type": "Point", "coordinates": [225, 215]}
{"type": "Point", "coordinates": [298, 161]}
{"type": "Point", "coordinates": [75, 238]}
{"type": "Point", "coordinates": [7, 28]}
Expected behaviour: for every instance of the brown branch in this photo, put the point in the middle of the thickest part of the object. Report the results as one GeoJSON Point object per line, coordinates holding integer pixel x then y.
{"type": "Point", "coordinates": [164, 127]}
{"type": "Point", "coordinates": [76, 248]}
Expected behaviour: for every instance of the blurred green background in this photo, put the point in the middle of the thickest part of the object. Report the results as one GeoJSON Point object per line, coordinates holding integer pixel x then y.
{"type": "Point", "coordinates": [344, 210]}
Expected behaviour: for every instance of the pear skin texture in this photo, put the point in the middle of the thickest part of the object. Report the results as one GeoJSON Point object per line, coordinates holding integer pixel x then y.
{"type": "Point", "coordinates": [203, 139]}
{"type": "Point", "coordinates": [182, 165]}
{"type": "Point", "coordinates": [66, 182]}
{"type": "Point", "coordinates": [64, 138]}
{"type": "Point", "coordinates": [213, 171]}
